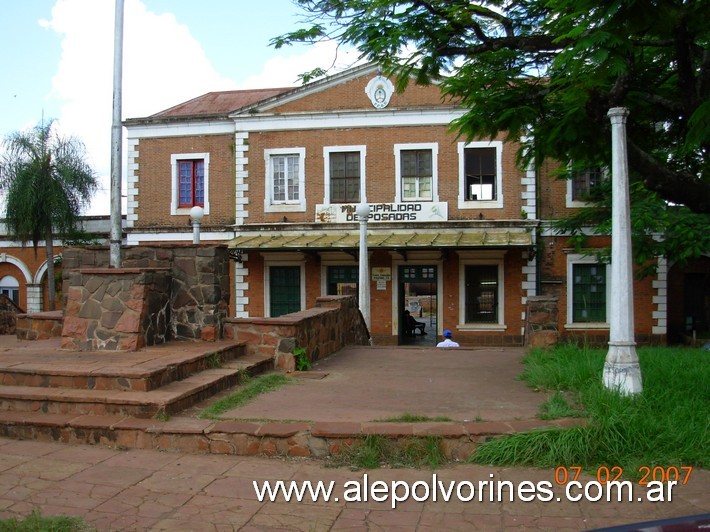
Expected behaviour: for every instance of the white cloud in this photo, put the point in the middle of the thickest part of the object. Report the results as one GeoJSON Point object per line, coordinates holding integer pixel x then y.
{"type": "Point", "coordinates": [163, 65]}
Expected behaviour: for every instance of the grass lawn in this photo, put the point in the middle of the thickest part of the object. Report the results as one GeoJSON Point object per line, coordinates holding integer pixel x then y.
{"type": "Point", "coordinates": [666, 425]}
{"type": "Point", "coordinates": [35, 522]}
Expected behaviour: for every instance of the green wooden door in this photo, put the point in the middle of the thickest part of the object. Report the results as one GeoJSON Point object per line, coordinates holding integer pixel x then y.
{"type": "Point", "coordinates": [284, 289]}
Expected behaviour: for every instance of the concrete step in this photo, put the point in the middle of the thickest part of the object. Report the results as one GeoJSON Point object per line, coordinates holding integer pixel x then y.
{"type": "Point", "coordinates": [168, 399]}
{"type": "Point", "coordinates": [125, 372]}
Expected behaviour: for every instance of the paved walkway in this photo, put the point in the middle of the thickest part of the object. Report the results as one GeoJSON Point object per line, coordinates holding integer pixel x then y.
{"type": "Point", "coordinates": [373, 384]}
{"type": "Point", "coordinates": [151, 490]}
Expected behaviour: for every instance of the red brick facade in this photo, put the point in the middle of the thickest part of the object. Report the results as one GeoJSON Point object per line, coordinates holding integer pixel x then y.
{"type": "Point", "coordinates": [514, 242]}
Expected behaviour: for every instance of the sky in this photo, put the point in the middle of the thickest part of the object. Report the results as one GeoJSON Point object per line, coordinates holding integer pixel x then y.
{"type": "Point", "coordinates": [57, 62]}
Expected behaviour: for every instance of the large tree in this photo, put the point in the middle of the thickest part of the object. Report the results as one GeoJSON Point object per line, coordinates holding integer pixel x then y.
{"type": "Point", "coordinates": [555, 67]}
{"type": "Point", "coordinates": [45, 182]}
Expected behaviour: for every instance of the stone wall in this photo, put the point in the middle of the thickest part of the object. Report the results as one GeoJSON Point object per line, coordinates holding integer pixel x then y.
{"type": "Point", "coordinates": [39, 325]}
{"type": "Point", "coordinates": [116, 309]}
{"type": "Point", "coordinates": [541, 321]}
{"type": "Point", "coordinates": [8, 314]}
{"type": "Point", "coordinates": [332, 324]}
{"type": "Point", "coordinates": [199, 287]}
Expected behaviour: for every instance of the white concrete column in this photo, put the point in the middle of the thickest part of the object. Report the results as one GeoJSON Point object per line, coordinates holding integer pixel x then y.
{"type": "Point", "coordinates": [363, 212]}
{"type": "Point", "coordinates": [621, 368]}
{"type": "Point", "coordinates": [34, 298]}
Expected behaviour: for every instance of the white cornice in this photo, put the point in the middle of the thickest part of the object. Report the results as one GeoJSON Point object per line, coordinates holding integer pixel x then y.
{"type": "Point", "coordinates": [180, 129]}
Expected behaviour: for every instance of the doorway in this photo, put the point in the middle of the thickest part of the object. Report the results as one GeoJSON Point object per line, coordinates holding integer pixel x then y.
{"type": "Point", "coordinates": [418, 295]}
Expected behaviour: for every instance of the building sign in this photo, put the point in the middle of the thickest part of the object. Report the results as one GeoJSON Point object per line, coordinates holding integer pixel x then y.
{"type": "Point", "coordinates": [382, 274]}
{"type": "Point", "coordinates": [426, 211]}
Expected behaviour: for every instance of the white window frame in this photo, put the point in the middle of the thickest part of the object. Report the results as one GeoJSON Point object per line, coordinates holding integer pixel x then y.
{"type": "Point", "coordinates": [327, 150]}
{"type": "Point", "coordinates": [174, 186]}
{"type": "Point", "coordinates": [575, 258]}
{"type": "Point", "coordinates": [283, 259]}
{"type": "Point", "coordinates": [481, 204]}
{"type": "Point", "coordinates": [398, 149]}
{"type": "Point", "coordinates": [288, 206]}
{"type": "Point", "coordinates": [483, 258]}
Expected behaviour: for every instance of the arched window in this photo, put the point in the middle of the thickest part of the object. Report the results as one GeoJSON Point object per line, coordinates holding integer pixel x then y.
{"type": "Point", "coordinates": [11, 288]}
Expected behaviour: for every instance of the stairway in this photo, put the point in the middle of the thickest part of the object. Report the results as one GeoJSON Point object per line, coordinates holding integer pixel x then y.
{"type": "Point", "coordinates": [157, 381]}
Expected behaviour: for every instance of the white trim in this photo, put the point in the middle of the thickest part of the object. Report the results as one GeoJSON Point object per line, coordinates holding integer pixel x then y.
{"type": "Point", "coordinates": [189, 129]}
{"type": "Point", "coordinates": [4, 257]}
{"type": "Point", "coordinates": [492, 204]}
{"type": "Point", "coordinates": [492, 258]}
{"type": "Point", "coordinates": [398, 148]}
{"type": "Point", "coordinates": [327, 150]}
{"type": "Point", "coordinates": [241, 287]}
{"type": "Point", "coordinates": [572, 259]}
{"type": "Point", "coordinates": [348, 119]}
{"type": "Point", "coordinates": [241, 174]}
{"type": "Point", "coordinates": [132, 179]}
{"type": "Point", "coordinates": [660, 299]}
{"type": "Point", "coordinates": [285, 259]}
{"type": "Point", "coordinates": [286, 206]}
{"type": "Point", "coordinates": [41, 271]}
{"type": "Point", "coordinates": [174, 198]}
{"type": "Point", "coordinates": [135, 238]}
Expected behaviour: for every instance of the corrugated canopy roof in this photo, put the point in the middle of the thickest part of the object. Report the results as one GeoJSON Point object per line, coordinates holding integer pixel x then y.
{"type": "Point", "coordinates": [322, 240]}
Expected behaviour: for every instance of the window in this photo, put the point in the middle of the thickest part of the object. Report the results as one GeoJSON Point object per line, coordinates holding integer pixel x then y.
{"type": "Point", "coordinates": [581, 183]}
{"type": "Point", "coordinates": [190, 182]}
{"type": "Point", "coordinates": [343, 281]}
{"type": "Point", "coordinates": [480, 175]}
{"type": "Point", "coordinates": [285, 180]}
{"type": "Point", "coordinates": [11, 288]}
{"type": "Point", "coordinates": [345, 177]}
{"type": "Point", "coordinates": [416, 171]}
{"type": "Point", "coordinates": [589, 293]}
{"type": "Point", "coordinates": [481, 294]}
{"type": "Point", "coordinates": [480, 168]}
{"type": "Point", "coordinates": [416, 168]}
{"type": "Point", "coordinates": [344, 172]}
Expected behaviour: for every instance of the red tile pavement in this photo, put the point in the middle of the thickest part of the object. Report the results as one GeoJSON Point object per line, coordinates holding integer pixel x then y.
{"type": "Point", "coordinates": [153, 490]}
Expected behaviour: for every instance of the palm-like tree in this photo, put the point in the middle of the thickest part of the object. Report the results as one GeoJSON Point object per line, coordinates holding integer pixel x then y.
{"type": "Point", "coordinates": [46, 182]}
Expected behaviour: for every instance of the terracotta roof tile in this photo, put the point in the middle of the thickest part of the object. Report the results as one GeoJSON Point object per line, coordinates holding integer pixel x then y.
{"type": "Point", "coordinates": [223, 102]}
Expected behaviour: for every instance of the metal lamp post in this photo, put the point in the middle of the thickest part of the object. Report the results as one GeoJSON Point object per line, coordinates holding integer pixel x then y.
{"type": "Point", "coordinates": [363, 212]}
{"type": "Point", "coordinates": [196, 215]}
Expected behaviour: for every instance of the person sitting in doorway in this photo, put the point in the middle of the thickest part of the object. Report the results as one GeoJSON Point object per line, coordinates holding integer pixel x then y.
{"type": "Point", "coordinates": [411, 325]}
{"type": "Point", "coordinates": [447, 341]}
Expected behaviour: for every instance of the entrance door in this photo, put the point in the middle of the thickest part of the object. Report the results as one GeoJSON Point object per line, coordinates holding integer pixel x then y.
{"type": "Point", "coordinates": [284, 290]}
{"type": "Point", "coordinates": [417, 294]}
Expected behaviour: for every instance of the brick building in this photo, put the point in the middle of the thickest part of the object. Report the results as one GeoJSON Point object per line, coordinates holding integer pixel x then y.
{"type": "Point", "coordinates": [458, 234]}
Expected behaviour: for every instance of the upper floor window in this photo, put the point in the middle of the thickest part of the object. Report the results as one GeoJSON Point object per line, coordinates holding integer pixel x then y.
{"type": "Point", "coordinates": [285, 180]}
{"type": "Point", "coordinates": [416, 174]}
{"type": "Point", "coordinates": [190, 182]}
{"type": "Point", "coordinates": [416, 169]}
{"type": "Point", "coordinates": [480, 171]}
{"type": "Point", "coordinates": [581, 184]}
{"type": "Point", "coordinates": [344, 169]}
{"type": "Point", "coordinates": [345, 177]}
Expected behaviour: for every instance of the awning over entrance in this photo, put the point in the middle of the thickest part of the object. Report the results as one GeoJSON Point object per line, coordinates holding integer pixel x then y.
{"type": "Point", "coordinates": [329, 240]}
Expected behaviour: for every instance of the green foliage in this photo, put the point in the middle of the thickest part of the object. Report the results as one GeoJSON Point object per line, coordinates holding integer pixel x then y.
{"type": "Point", "coordinates": [374, 451]}
{"type": "Point", "coordinates": [46, 183]}
{"type": "Point", "coordinates": [657, 228]}
{"type": "Point", "coordinates": [251, 388]}
{"type": "Point", "coordinates": [303, 363]}
{"type": "Point", "coordinates": [36, 522]}
{"type": "Point", "coordinates": [554, 67]}
{"type": "Point", "coordinates": [666, 425]}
